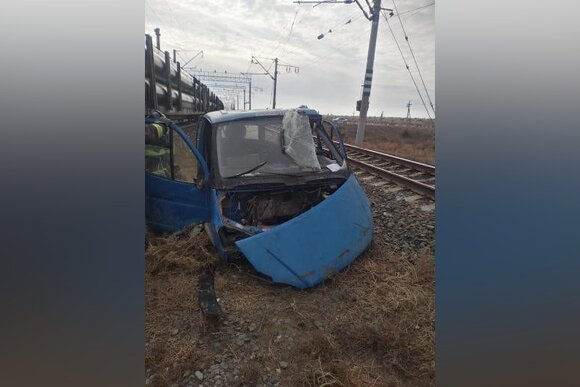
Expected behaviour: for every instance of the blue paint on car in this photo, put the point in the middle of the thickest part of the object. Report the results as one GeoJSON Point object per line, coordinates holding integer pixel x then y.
{"type": "Point", "coordinates": [295, 225]}
{"type": "Point", "coordinates": [317, 243]}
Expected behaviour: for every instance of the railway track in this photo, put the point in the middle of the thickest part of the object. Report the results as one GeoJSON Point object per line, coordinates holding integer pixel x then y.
{"type": "Point", "coordinates": [412, 175]}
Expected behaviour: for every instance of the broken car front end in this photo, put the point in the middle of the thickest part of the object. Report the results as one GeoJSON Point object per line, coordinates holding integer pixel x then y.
{"type": "Point", "coordinates": [286, 201]}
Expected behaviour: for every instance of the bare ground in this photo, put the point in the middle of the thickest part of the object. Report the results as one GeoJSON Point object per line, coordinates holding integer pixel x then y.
{"type": "Point", "coordinates": [371, 324]}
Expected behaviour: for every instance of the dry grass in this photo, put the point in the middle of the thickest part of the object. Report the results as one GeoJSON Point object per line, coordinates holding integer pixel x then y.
{"type": "Point", "coordinates": [171, 268]}
{"type": "Point", "coordinates": [412, 139]}
{"type": "Point", "coordinates": [179, 251]}
{"type": "Point", "coordinates": [382, 330]}
{"type": "Point", "coordinates": [370, 325]}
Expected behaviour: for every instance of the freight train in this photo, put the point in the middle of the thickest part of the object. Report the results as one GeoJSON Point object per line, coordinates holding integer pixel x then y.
{"type": "Point", "coordinates": [171, 90]}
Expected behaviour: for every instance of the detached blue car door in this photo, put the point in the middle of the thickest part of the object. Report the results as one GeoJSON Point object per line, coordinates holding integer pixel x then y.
{"type": "Point", "coordinates": [176, 183]}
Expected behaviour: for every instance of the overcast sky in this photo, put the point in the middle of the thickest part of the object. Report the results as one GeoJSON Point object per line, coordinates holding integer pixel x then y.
{"type": "Point", "coordinates": [331, 69]}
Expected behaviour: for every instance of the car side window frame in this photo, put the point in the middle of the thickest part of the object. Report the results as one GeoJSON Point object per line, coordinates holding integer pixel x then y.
{"type": "Point", "coordinates": [323, 138]}
{"type": "Point", "coordinates": [203, 168]}
{"type": "Point", "coordinates": [201, 161]}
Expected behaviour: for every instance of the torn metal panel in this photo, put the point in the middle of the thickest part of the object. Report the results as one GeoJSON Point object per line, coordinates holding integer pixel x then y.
{"type": "Point", "coordinates": [323, 240]}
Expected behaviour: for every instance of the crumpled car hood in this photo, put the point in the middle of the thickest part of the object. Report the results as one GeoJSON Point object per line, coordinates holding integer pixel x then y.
{"type": "Point", "coordinates": [319, 242]}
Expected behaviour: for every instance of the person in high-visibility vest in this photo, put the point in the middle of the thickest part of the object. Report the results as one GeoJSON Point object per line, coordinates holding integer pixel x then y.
{"type": "Point", "coordinates": [157, 158]}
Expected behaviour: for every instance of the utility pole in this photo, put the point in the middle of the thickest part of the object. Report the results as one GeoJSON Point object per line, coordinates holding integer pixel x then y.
{"type": "Point", "coordinates": [275, 82]}
{"type": "Point", "coordinates": [250, 87]}
{"type": "Point", "coordinates": [360, 130]}
{"type": "Point", "coordinates": [373, 15]}
{"type": "Point", "coordinates": [409, 110]}
{"type": "Point", "coordinates": [275, 76]}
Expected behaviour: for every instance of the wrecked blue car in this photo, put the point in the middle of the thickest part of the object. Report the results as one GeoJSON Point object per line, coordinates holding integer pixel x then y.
{"type": "Point", "coordinates": [273, 185]}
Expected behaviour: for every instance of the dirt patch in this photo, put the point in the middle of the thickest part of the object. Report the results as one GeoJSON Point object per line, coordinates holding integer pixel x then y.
{"type": "Point", "coordinates": [371, 324]}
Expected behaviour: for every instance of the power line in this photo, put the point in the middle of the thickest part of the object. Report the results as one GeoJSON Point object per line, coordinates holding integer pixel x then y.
{"type": "Point", "coordinates": [274, 77]}
{"type": "Point", "coordinates": [407, 66]}
{"type": "Point", "coordinates": [289, 33]}
{"type": "Point", "coordinates": [410, 15]}
{"type": "Point", "coordinates": [413, 55]}
{"type": "Point", "coordinates": [355, 17]}
{"type": "Point", "coordinates": [317, 58]}
{"type": "Point", "coordinates": [416, 9]}
{"type": "Point", "coordinates": [341, 24]}
{"type": "Point", "coordinates": [318, 2]}
{"type": "Point", "coordinates": [295, 23]}
{"type": "Point", "coordinates": [192, 58]}
{"type": "Point", "coordinates": [280, 39]}
{"type": "Point", "coordinates": [333, 51]}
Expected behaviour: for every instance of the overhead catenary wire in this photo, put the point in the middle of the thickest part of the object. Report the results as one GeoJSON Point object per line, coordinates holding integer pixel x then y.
{"type": "Point", "coordinates": [289, 32]}
{"type": "Point", "coordinates": [304, 14]}
{"type": "Point", "coordinates": [291, 29]}
{"type": "Point", "coordinates": [415, 9]}
{"type": "Point", "coordinates": [263, 47]}
{"type": "Point", "coordinates": [172, 17]}
{"type": "Point", "coordinates": [333, 51]}
{"type": "Point", "coordinates": [341, 24]}
{"type": "Point", "coordinates": [410, 15]}
{"type": "Point", "coordinates": [336, 28]}
{"type": "Point", "coordinates": [185, 60]}
{"type": "Point", "coordinates": [407, 65]}
{"type": "Point", "coordinates": [413, 55]}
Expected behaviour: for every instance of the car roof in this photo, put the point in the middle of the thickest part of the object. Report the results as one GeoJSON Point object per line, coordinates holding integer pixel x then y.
{"type": "Point", "coordinates": [234, 115]}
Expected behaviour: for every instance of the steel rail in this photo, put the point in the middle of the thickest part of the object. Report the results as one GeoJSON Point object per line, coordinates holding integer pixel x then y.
{"type": "Point", "coordinates": [414, 185]}
{"type": "Point", "coordinates": [395, 159]}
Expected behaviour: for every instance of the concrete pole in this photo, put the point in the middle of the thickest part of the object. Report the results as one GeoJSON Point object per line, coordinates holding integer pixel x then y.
{"type": "Point", "coordinates": [360, 130]}
{"type": "Point", "coordinates": [275, 82]}
{"type": "Point", "coordinates": [250, 95]}
{"type": "Point", "coordinates": [244, 99]}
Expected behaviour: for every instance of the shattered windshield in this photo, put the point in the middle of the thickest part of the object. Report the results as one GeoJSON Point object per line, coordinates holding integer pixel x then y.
{"type": "Point", "coordinates": [266, 145]}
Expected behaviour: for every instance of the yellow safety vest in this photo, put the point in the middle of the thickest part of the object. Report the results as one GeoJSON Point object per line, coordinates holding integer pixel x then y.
{"type": "Point", "coordinates": [158, 152]}
{"type": "Point", "coordinates": [155, 150]}
{"type": "Point", "coordinates": [159, 128]}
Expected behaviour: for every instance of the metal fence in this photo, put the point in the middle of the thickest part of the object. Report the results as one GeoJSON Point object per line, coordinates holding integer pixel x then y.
{"type": "Point", "coordinates": [171, 90]}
